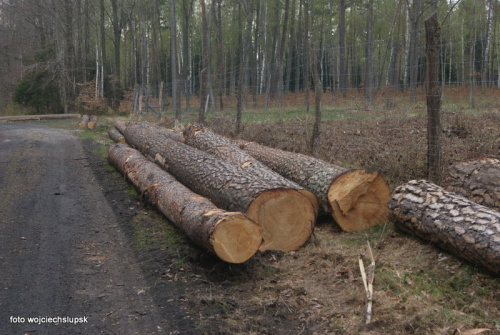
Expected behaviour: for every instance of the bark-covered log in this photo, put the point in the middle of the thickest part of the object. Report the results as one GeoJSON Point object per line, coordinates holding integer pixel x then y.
{"type": "Point", "coordinates": [165, 132]}
{"type": "Point", "coordinates": [453, 222]}
{"type": "Point", "coordinates": [357, 199]}
{"type": "Point", "coordinates": [83, 121]}
{"type": "Point", "coordinates": [231, 236]}
{"type": "Point", "coordinates": [120, 125]}
{"type": "Point", "coordinates": [287, 217]}
{"type": "Point", "coordinates": [115, 135]}
{"type": "Point", "coordinates": [223, 148]}
{"type": "Point", "coordinates": [38, 117]}
{"type": "Point", "coordinates": [92, 122]}
{"type": "Point", "coordinates": [478, 180]}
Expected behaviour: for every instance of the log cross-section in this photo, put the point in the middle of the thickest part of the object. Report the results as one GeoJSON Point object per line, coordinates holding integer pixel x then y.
{"type": "Point", "coordinates": [223, 148]}
{"type": "Point", "coordinates": [231, 236]}
{"type": "Point", "coordinates": [454, 223]}
{"type": "Point", "coordinates": [357, 199]}
{"type": "Point", "coordinates": [286, 216]}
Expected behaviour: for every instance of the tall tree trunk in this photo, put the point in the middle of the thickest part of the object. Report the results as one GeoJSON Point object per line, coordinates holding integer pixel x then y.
{"type": "Point", "coordinates": [173, 57]}
{"type": "Point", "coordinates": [433, 86]}
{"type": "Point", "coordinates": [117, 37]}
{"type": "Point", "coordinates": [318, 89]}
{"type": "Point", "coordinates": [369, 54]}
{"type": "Point", "coordinates": [342, 47]}
{"type": "Point", "coordinates": [487, 48]}
{"type": "Point", "coordinates": [414, 49]}
{"type": "Point", "coordinates": [205, 64]}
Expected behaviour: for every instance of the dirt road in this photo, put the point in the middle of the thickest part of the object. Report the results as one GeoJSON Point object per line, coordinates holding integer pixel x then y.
{"type": "Point", "coordinates": [65, 264]}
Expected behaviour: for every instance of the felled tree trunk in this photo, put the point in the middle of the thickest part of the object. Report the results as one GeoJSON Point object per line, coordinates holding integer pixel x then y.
{"type": "Point", "coordinates": [454, 223]}
{"type": "Point", "coordinates": [38, 117]}
{"type": "Point", "coordinates": [84, 120]}
{"type": "Point", "coordinates": [225, 149]}
{"type": "Point", "coordinates": [286, 217]}
{"type": "Point", "coordinates": [357, 199]}
{"type": "Point", "coordinates": [120, 126]}
{"type": "Point", "coordinates": [478, 180]}
{"type": "Point", "coordinates": [115, 135]}
{"type": "Point", "coordinates": [230, 235]}
{"type": "Point", "coordinates": [92, 122]}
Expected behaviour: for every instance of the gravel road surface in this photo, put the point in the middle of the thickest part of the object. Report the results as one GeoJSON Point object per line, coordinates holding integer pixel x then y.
{"type": "Point", "coordinates": [65, 264]}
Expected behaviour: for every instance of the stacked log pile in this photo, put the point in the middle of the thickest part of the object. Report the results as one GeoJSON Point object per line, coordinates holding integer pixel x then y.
{"type": "Point", "coordinates": [225, 149]}
{"type": "Point", "coordinates": [286, 216]}
{"type": "Point", "coordinates": [230, 235]}
{"type": "Point", "coordinates": [454, 223]}
{"type": "Point", "coordinates": [357, 199]}
{"type": "Point", "coordinates": [478, 180]}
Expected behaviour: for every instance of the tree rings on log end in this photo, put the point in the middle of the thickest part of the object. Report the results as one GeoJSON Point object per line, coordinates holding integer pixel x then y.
{"type": "Point", "coordinates": [359, 200]}
{"type": "Point", "coordinates": [312, 198]}
{"type": "Point", "coordinates": [236, 238]}
{"type": "Point", "coordinates": [285, 216]}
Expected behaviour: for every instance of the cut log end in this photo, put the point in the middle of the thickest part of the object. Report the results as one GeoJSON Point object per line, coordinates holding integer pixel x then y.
{"type": "Point", "coordinates": [359, 200]}
{"type": "Point", "coordinates": [236, 239]}
{"type": "Point", "coordinates": [285, 216]}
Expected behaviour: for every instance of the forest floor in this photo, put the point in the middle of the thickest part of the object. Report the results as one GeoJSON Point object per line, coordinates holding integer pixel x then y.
{"type": "Point", "coordinates": [418, 288]}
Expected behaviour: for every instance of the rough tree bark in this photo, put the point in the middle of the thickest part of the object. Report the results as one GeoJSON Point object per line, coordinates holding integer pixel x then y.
{"type": "Point", "coordinates": [357, 199]}
{"type": "Point", "coordinates": [433, 87]}
{"type": "Point", "coordinates": [231, 236]}
{"type": "Point", "coordinates": [478, 180]}
{"type": "Point", "coordinates": [286, 217]}
{"type": "Point", "coordinates": [115, 135]}
{"type": "Point", "coordinates": [464, 228]}
{"type": "Point", "coordinates": [225, 149]}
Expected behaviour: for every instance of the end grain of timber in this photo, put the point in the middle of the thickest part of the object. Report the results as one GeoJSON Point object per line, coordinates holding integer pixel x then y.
{"type": "Point", "coordinates": [232, 236]}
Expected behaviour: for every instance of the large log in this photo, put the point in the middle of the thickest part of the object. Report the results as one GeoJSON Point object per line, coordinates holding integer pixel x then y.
{"type": "Point", "coordinates": [115, 135]}
{"type": "Point", "coordinates": [230, 235]}
{"type": "Point", "coordinates": [287, 217]}
{"type": "Point", "coordinates": [357, 199]}
{"type": "Point", "coordinates": [453, 222]}
{"type": "Point", "coordinates": [92, 122]}
{"type": "Point", "coordinates": [83, 121]}
{"type": "Point", "coordinates": [172, 134]}
{"type": "Point", "coordinates": [38, 117]}
{"type": "Point", "coordinates": [208, 141]}
{"type": "Point", "coordinates": [120, 125]}
{"type": "Point", "coordinates": [478, 180]}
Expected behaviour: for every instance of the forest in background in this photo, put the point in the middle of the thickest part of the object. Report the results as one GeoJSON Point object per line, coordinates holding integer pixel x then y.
{"type": "Point", "coordinates": [52, 52]}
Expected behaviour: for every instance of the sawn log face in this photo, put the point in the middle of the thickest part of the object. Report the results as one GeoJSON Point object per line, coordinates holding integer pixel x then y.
{"type": "Point", "coordinates": [454, 223]}
{"type": "Point", "coordinates": [357, 199]}
{"type": "Point", "coordinates": [230, 235]}
{"type": "Point", "coordinates": [232, 188]}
